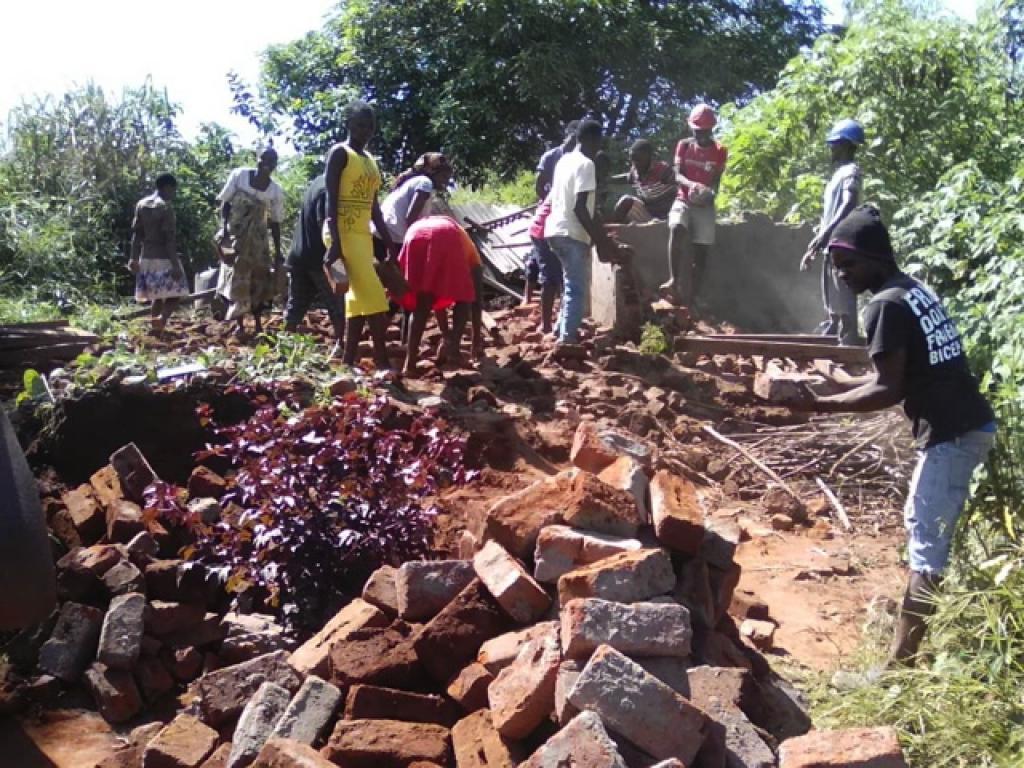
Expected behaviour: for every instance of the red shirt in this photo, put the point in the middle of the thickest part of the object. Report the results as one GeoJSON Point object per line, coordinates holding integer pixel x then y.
{"type": "Point", "coordinates": [700, 164]}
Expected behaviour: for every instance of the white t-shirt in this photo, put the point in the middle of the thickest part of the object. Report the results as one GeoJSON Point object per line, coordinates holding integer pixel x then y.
{"type": "Point", "coordinates": [395, 207]}
{"type": "Point", "coordinates": [575, 173]}
{"type": "Point", "coordinates": [273, 195]}
{"type": "Point", "coordinates": [846, 177]}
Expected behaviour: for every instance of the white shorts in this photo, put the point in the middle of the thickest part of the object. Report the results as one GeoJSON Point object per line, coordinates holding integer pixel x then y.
{"type": "Point", "coordinates": [698, 220]}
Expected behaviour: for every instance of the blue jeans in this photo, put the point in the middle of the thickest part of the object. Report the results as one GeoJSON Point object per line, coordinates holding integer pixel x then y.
{"type": "Point", "coordinates": [938, 492]}
{"type": "Point", "coordinates": [575, 258]}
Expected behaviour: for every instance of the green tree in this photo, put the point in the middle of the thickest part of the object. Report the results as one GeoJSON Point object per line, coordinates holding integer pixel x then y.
{"type": "Point", "coordinates": [490, 81]}
{"type": "Point", "coordinates": [931, 91]}
{"type": "Point", "coordinates": [72, 170]}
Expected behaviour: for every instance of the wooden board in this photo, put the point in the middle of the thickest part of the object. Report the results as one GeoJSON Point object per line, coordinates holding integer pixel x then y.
{"type": "Point", "coordinates": [798, 338]}
{"type": "Point", "coordinates": [704, 345]}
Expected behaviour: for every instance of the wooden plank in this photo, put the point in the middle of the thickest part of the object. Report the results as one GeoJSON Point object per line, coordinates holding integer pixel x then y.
{"type": "Point", "coordinates": [41, 354]}
{"type": "Point", "coordinates": [41, 342]}
{"type": "Point", "coordinates": [721, 346]}
{"type": "Point", "coordinates": [798, 338]}
{"type": "Point", "coordinates": [38, 325]}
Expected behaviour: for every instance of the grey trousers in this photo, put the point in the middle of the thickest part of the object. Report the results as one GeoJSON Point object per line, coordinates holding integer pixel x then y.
{"type": "Point", "coordinates": [840, 305]}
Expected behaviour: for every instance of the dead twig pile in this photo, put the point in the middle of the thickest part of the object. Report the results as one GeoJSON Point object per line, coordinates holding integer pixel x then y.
{"type": "Point", "coordinates": [865, 459]}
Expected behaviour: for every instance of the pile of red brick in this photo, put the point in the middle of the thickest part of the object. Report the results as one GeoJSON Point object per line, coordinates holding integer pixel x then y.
{"type": "Point", "coordinates": [595, 625]}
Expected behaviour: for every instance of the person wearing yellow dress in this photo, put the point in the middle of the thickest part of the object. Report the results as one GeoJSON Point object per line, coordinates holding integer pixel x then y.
{"type": "Point", "coordinates": [353, 181]}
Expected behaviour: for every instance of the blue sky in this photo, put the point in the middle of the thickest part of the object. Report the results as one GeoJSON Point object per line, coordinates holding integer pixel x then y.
{"type": "Point", "coordinates": [187, 46]}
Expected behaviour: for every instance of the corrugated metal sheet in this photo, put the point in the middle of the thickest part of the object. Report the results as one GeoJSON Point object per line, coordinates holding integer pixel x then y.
{"type": "Point", "coordinates": [506, 243]}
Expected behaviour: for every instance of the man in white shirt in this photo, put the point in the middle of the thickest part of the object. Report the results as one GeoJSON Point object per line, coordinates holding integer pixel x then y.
{"type": "Point", "coordinates": [570, 228]}
{"type": "Point", "coordinates": [842, 195]}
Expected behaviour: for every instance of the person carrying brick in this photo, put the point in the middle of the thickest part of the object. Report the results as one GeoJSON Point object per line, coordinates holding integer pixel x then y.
{"type": "Point", "coordinates": [919, 361]}
{"type": "Point", "coordinates": [699, 164]}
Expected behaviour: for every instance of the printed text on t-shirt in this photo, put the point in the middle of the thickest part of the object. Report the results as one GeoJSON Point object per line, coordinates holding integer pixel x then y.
{"type": "Point", "coordinates": [940, 333]}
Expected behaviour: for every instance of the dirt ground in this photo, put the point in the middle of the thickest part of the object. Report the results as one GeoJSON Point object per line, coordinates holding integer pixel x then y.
{"type": "Point", "coordinates": [817, 579]}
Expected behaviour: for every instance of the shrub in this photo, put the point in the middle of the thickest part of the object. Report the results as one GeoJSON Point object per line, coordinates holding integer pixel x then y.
{"type": "Point", "coordinates": [322, 497]}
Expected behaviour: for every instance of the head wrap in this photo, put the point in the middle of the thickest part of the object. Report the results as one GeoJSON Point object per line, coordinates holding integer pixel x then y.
{"type": "Point", "coordinates": [864, 233]}
{"type": "Point", "coordinates": [430, 162]}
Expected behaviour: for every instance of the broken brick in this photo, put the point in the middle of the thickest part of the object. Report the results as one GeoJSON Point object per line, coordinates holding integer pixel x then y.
{"type": "Point", "coordinates": [477, 744]}
{"type": "Point", "coordinates": [639, 707]}
{"type": "Point", "coordinates": [184, 743]}
{"type": "Point", "coordinates": [637, 629]}
{"type": "Point", "coordinates": [596, 506]}
{"type": "Point", "coordinates": [424, 587]}
{"type": "Point", "coordinates": [313, 656]}
{"type": "Point", "coordinates": [114, 692]}
{"type": "Point", "coordinates": [859, 747]}
{"type": "Point", "coordinates": [626, 578]}
{"type": "Point", "coordinates": [676, 512]}
{"type": "Point", "coordinates": [73, 643]}
{"type": "Point", "coordinates": [133, 471]}
{"type": "Point", "coordinates": [121, 634]}
{"type": "Point", "coordinates": [627, 474]}
{"type": "Point", "coordinates": [223, 693]}
{"type": "Point", "coordinates": [589, 452]}
{"type": "Point", "coordinates": [309, 712]}
{"type": "Point", "coordinates": [256, 723]}
{"type": "Point", "coordinates": [124, 578]}
{"type": "Point", "coordinates": [370, 702]}
{"type": "Point", "coordinates": [560, 549]}
{"type": "Point", "coordinates": [288, 753]}
{"type": "Point", "coordinates": [205, 483]}
{"type": "Point", "coordinates": [516, 520]}
{"type": "Point", "coordinates": [522, 696]}
{"type": "Point", "coordinates": [761, 634]}
{"type": "Point", "coordinates": [469, 688]}
{"type": "Point", "coordinates": [106, 486]}
{"type": "Point", "coordinates": [451, 639]}
{"type": "Point", "coordinates": [506, 579]}
{"type": "Point", "coordinates": [584, 742]}
{"type": "Point", "coordinates": [86, 513]}
{"type": "Point", "coordinates": [123, 521]}
{"type": "Point", "coordinates": [381, 589]}
{"type": "Point", "coordinates": [376, 656]}
{"type": "Point", "coordinates": [498, 652]}
{"type": "Point", "coordinates": [386, 744]}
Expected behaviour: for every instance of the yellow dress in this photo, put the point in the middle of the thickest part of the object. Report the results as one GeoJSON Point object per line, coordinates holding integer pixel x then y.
{"type": "Point", "coordinates": [357, 191]}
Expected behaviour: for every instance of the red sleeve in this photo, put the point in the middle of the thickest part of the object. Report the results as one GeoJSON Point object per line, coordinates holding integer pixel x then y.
{"type": "Point", "coordinates": [724, 155]}
{"type": "Point", "coordinates": [680, 152]}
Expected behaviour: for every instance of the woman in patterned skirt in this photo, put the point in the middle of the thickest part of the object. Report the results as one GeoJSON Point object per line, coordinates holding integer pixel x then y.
{"type": "Point", "coordinates": [159, 276]}
{"type": "Point", "coordinates": [251, 204]}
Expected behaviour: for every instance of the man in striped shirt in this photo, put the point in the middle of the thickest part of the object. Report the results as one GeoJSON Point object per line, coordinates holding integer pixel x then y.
{"type": "Point", "coordinates": [655, 185]}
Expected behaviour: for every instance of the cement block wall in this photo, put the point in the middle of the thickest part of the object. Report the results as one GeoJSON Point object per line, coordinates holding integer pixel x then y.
{"type": "Point", "coordinates": [753, 279]}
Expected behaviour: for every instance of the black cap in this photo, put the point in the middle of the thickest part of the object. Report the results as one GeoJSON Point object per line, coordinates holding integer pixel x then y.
{"type": "Point", "coordinates": [864, 233]}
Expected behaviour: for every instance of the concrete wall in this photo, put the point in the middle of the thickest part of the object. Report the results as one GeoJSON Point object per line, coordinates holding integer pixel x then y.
{"type": "Point", "coordinates": [753, 279]}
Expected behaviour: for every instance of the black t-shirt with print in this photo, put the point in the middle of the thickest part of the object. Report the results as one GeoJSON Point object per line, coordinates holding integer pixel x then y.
{"type": "Point", "coordinates": [942, 398]}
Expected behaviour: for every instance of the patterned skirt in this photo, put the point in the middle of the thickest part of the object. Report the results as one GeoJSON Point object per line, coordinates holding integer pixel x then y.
{"type": "Point", "coordinates": [156, 280]}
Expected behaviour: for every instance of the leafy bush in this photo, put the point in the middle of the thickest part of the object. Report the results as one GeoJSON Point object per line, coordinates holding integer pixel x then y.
{"type": "Point", "coordinates": [654, 340]}
{"type": "Point", "coordinates": [70, 176]}
{"type": "Point", "coordinates": [931, 91]}
{"type": "Point", "coordinates": [322, 497]}
{"type": "Point", "coordinates": [518, 191]}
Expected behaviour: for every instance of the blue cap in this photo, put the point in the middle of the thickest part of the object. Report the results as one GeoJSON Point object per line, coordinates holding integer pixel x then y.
{"type": "Point", "coordinates": [846, 130]}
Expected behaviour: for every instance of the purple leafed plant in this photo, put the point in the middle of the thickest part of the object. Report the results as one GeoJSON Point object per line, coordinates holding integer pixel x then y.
{"type": "Point", "coordinates": [322, 497]}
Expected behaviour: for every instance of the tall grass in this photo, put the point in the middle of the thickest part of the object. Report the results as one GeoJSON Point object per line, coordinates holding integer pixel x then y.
{"type": "Point", "coordinates": [964, 707]}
